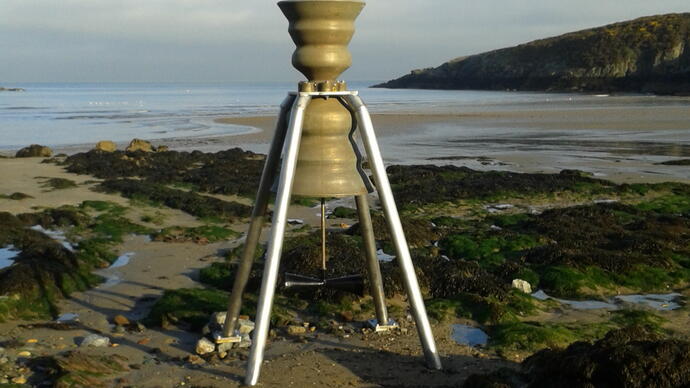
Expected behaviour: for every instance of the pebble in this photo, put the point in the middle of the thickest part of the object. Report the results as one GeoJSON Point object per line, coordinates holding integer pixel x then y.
{"type": "Point", "coordinates": [95, 340]}
{"type": "Point", "coordinates": [19, 380]}
{"type": "Point", "coordinates": [24, 354]}
{"type": "Point", "coordinates": [296, 330]}
{"type": "Point", "coordinates": [121, 320]}
{"type": "Point", "coordinates": [195, 360]}
{"type": "Point", "coordinates": [204, 346]}
{"type": "Point", "coordinates": [144, 341]}
{"type": "Point", "coordinates": [32, 341]}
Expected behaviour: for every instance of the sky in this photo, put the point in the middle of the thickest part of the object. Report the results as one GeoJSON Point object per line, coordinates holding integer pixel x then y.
{"type": "Point", "coordinates": [247, 40]}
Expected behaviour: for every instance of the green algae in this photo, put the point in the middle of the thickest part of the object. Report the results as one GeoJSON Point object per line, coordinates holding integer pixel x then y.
{"type": "Point", "coordinates": [58, 184]}
{"type": "Point", "coordinates": [200, 234]}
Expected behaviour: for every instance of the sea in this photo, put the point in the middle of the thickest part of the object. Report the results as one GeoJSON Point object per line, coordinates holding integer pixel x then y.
{"type": "Point", "coordinates": [65, 114]}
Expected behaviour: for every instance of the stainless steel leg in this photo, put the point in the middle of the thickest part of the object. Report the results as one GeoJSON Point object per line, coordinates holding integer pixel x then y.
{"type": "Point", "coordinates": [373, 268]}
{"type": "Point", "coordinates": [257, 219]}
{"type": "Point", "coordinates": [275, 242]}
{"type": "Point", "coordinates": [393, 220]}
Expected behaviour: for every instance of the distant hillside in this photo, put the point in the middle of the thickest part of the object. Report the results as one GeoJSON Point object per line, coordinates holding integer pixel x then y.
{"type": "Point", "coordinates": [649, 54]}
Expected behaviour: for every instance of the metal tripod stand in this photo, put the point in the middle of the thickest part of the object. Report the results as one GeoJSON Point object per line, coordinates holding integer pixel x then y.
{"type": "Point", "coordinates": [286, 141]}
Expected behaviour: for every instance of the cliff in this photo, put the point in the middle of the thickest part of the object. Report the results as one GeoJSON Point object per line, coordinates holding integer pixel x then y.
{"type": "Point", "coordinates": [649, 54]}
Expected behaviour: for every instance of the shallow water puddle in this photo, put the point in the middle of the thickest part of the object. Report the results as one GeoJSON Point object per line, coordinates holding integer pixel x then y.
{"type": "Point", "coordinates": [383, 256]}
{"type": "Point", "coordinates": [468, 335]}
{"type": "Point", "coordinates": [112, 276]}
{"type": "Point", "coordinates": [7, 254]}
{"type": "Point", "coordinates": [56, 235]}
{"type": "Point", "coordinates": [660, 302]}
{"type": "Point", "coordinates": [122, 260]}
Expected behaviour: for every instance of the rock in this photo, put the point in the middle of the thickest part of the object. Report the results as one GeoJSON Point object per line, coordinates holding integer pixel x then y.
{"type": "Point", "coordinates": [19, 380]}
{"type": "Point", "coordinates": [139, 145]}
{"type": "Point", "coordinates": [195, 360]}
{"type": "Point", "coordinates": [24, 353]}
{"type": "Point", "coordinates": [95, 340]}
{"type": "Point", "coordinates": [144, 341]}
{"type": "Point", "coordinates": [34, 150]}
{"type": "Point", "coordinates": [105, 146]}
{"type": "Point", "coordinates": [121, 320]}
{"type": "Point", "coordinates": [162, 148]}
{"type": "Point", "coordinates": [205, 346]}
{"type": "Point", "coordinates": [245, 326]}
{"type": "Point", "coordinates": [246, 341]}
{"type": "Point", "coordinates": [226, 346]}
{"type": "Point", "coordinates": [296, 330]}
{"type": "Point", "coordinates": [522, 285]}
{"type": "Point", "coordinates": [347, 316]}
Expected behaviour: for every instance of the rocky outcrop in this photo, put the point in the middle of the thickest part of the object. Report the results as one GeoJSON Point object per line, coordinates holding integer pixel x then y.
{"type": "Point", "coordinates": [650, 54]}
{"type": "Point", "coordinates": [139, 145]}
{"type": "Point", "coordinates": [2, 89]}
{"type": "Point", "coordinates": [105, 146]}
{"type": "Point", "coordinates": [34, 150]}
{"type": "Point", "coordinates": [632, 357]}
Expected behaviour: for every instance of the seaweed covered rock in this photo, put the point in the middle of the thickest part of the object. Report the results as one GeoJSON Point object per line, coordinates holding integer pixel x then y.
{"type": "Point", "coordinates": [62, 216]}
{"type": "Point", "coordinates": [614, 237]}
{"type": "Point", "coordinates": [43, 271]}
{"type": "Point", "coordinates": [427, 184]}
{"type": "Point", "coordinates": [418, 232]}
{"type": "Point", "coordinates": [139, 145]}
{"type": "Point", "coordinates": [187, 201]}
{"type": "Point", "coordinates": [633, 358]}
{"type": "Point", "coordinates": [34, 150]}
{"type": "Point", "coordinates": [233, 171]}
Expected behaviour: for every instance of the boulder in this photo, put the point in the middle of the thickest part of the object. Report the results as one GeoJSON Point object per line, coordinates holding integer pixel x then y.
{"type": "Point", "coordinates": [34, 150]}
{"type": "Point", "coordinates": [139, 145]}
{"type": "Point", "coordinates": [162, 148]}
{"type": "Point", "coordinates": [105, 146]}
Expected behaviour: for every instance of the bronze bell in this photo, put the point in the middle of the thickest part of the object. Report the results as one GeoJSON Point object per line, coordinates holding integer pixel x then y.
{"type": "Point", "coordinates": [329, 164]}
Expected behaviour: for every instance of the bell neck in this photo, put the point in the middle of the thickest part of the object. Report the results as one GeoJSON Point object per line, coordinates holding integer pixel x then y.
{"type": "Point", "coordinates": [321, 86]}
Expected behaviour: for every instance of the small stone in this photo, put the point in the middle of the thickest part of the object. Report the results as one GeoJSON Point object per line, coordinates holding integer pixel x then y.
{"type": "Point", "coordinates": [24, 353]}
{"type": "Point", "coordinates": [95, 340]}
{"type": "Point", "coordinates": [225, 346]}
{"type": "Point", "coordinates": [296, 330]}
{"type": "Point", "coordinates": [218, 319]}
{"type": "Point", "coordinates": [245, 326]}
{"type": "Point", "coordinates": [162, 148]}
{"type": "Point", "coordinates": [205, 346]}
{"type": "Point", "coordinates": [121, 320]}
{"type": "Point", "coordinates": [246, 341]}
{"type": "Point", "coordinates": [4, 360]}
{"type": "Point", "coordinates": [19, 380]}
{"type": "Point", "coordinates": [522, 285]}
{"type": "Point", "coordinates": [31, 341]}
{"type": "Point", "coordinates": [140, 327]}
{"type": "Point", "coordinates": [222, 355]}
{"type": "Point", "coordinates": [195, 360]}
{"type": "Point", "coordinates": [119, 329]}
{"type": "Point", "coordinates": [144, 341]}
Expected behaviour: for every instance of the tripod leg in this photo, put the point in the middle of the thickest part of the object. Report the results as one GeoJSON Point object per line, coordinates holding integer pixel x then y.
{"type": "Point", "coordinates": [257, 219]}
{"type": "Point", "coordinates": [275, 242]}
{"type": "Point", "coordinates": [393, 219]}
{"type": "Point", "coordinates": [373, 268]}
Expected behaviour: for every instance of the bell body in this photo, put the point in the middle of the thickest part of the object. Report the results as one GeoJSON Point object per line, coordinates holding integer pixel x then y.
{"type": "Point", "coordinates": [327, 165]}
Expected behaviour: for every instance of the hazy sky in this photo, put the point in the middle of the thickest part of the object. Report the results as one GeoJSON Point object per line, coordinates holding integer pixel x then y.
{"type": "Point", "coordinates": [229, 40]}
